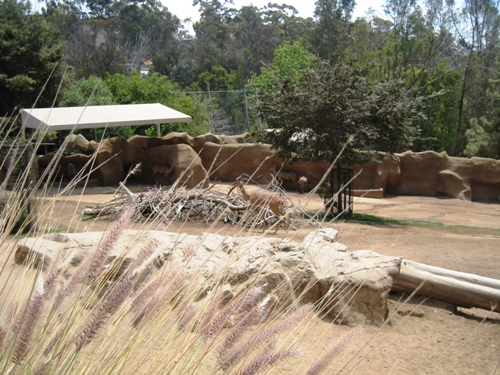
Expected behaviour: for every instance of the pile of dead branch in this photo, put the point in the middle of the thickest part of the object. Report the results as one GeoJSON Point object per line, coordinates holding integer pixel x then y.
{"type": "Point", "coordinates": [209, 205]}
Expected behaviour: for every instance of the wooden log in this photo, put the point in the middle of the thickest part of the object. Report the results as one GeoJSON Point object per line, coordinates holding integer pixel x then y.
{"type": "Point", "coordinates": [459, 288]}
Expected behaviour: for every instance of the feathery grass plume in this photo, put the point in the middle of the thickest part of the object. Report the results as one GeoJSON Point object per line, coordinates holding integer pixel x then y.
{"type": "Point", "coordinates": [265, 358]}
{"type": "Point", "coordinates": [185, 308]}
{"type": "Point", "coordinates": [31, 315]}
{"type": "Point", "coordinates": [3, 335]}
{"type": "Point", "coordinates": [212, 309]}
{"type": "Point", "coordinates": [112, 302]}
{"type": "Point", "coordinates": [144, 253]}
{"type": "Point", "coordinates": [105, 247]}
{"type": "Point", "coordinates": [42, 369]}
{"type": "Point", "coordinates": [258, 340]}
{"type": "Point", "coordinates": [52, 278]}
{"type": "Point", "coordinates": [93, 265]}
{"type": "Point", "coordinates": [27, 326]}
{"type": "Point", "coordinates": [325, 359]}
{"type": "Point", "coordinates": [238, 305]}
{"type": "Point", "coordinates": [236, 333]}
{"type": "Point", "coordinates": [155, 295]}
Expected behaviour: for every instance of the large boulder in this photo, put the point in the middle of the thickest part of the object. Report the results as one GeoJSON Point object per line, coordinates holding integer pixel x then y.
{"type": "Point", "coordinates": [121, 149]}
{"type": "Point", "coordinates": [77, 142]}
{"type": "Point", "coordinates": [188, 167]}
{"type": "Point", "coordinates": [111, 170]}
{"type": "Point", "coordinates": [420, 173]}
{"type": "Point", "coordinates": [430, 173]}
{"type": "Point", "coordinates": [145, 143]}
{"type": "Point", "coordinates": [255, 160]}
{"type": "Point", "coordinates": [479, 179]}
{"type": "Point", "coordinates": [383, 175]}
{"type": "Point", "coordinates": [176, 138]}
{"type": "Point", "coordinates": [229, 157]}
{"type": "Point", "coordinates": [352, 288]}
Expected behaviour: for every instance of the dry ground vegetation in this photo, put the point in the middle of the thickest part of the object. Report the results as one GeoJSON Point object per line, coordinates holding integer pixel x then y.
{"type": "Point", "coordinates": [89, 321]}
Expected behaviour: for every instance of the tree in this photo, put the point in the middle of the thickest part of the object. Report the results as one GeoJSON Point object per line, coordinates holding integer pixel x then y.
{"type": "Point", "coordinates": [289, 62]}
{"type": "Point", "coordinates": [31, 51]}
{"type": "Point", "coordinates": [333, 106]}
{"type": "Point", "coordinates": [147, 31]}
{"type": "Point", "coordinates": [331, 33]}
{"type": "Point", "coordinates": [212, 35]}
{"type": "Point", "coordinates": [93, 91]}
{"type": "Point", "coordinates": [478, 35]}
{"type": "Point", "coordinates": [255, 41]}
{"type": "Point", "coordinates": [483, 136]}
{"type": "Point", "coordinates": [132, 89]}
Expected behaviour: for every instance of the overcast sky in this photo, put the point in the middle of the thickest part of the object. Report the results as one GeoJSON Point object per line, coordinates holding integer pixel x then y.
{"type": "Point", "coordinates": [185, 9]}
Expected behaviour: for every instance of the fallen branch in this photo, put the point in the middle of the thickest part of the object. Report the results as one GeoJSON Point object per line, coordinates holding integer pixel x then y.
{"type": "Point", "coordinates": [459, 288]}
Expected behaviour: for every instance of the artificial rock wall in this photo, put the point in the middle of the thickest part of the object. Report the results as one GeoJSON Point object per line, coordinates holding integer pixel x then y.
{"type": "Point", "coordinates": [197, 160]}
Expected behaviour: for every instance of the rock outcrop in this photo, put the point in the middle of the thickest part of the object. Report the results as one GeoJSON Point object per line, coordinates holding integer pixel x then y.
{"type": "Point", "coordinates": [349, 287]}
{"type": "Point", "coordinates": [225, 158]}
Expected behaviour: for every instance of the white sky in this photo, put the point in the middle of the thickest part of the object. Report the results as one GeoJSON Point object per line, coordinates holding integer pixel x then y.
{"type": "Point", "coordinates": [184, 8]}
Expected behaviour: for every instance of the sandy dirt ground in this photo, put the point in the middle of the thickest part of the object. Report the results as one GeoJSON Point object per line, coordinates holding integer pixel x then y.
{"type": "Point", "coordinates": [421, 336]}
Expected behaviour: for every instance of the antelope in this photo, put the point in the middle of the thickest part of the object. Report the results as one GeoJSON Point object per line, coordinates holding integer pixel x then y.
{"type": "Point", "coordinates": [262, 199]}
{"type": "Point", "coordinates": [161, 169]}
{"type": "Point", "coordinates": [302, 184]}
{"type": "Point", "coordinates": [282, 175]}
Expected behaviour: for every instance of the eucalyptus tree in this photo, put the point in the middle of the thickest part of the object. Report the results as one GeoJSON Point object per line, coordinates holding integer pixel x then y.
{"type": "Point", "coordinates": [148, 31]}
{"type": "Point", "coordinates": [255, 42]}
{"type": "Point", "coordinates": [291, 27]}
{"type": "Point", "coordinates": [478, 26]}
{"type": "Point", "coordinates": [31, 64]}
{"type": "Point", "coordinates": [330, 36]}
{"type": "Point", "coordinates": [212, 34]}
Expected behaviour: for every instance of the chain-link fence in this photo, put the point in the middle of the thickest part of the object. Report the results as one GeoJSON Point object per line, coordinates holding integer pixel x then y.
{"type": "Point", "coordinates": [231, 113]}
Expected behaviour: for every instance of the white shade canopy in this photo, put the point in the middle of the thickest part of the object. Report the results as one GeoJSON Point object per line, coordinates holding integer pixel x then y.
{"type": "Point", "coordinates": [68, 118]}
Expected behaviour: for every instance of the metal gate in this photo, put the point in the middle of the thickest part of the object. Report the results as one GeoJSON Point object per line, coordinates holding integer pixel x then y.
{"type": "Point", "coordinates": [339, 200]}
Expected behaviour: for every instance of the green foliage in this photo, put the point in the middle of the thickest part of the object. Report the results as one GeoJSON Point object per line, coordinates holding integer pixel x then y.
{"type": "Point", "coordinates": [93, 91]}
{"type": "Point", "coordinates": [333, 106]}
{"type": "Point", "coordinates": [218, 78]}
{"type": "Point", "coordinates": [289, 62]}
{"type": "Point", "coordinates": [483, 139]}
{"type": "Point", "coordinates": [87, 91]}
{"type": "Point", "coordinates": [439, 129]}
{"type": "Point", "coordinates": [156, 88]}
{"type": "Point", "coordinates": [330, 36]}
{"type": "Point", "coordinates": [30, 58]}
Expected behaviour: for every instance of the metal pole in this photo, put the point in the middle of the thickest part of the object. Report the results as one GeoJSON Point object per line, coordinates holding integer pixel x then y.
{"type": "Point", "coordinates": [259, 120]}
{"type": "Point", "coordinates": [210, 101]}
{"type": "Point", "coordinates": [246, 107]}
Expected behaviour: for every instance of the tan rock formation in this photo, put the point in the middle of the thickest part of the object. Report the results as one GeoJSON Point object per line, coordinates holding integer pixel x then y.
{"type": "Point", "coordinates": [111, 170]}
{"type": "Point", "coordinates": [229, 157]}
{"type": "Point", "coordinates": [120, 148]}
{"type": "Point", "coordinates": [353, 286]}
{"type": "Point", "coordinates": [187, 164]}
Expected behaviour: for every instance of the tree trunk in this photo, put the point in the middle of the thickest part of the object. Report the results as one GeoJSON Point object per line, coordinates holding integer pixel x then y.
{"type": "Point", "coordinates": [459, 288]}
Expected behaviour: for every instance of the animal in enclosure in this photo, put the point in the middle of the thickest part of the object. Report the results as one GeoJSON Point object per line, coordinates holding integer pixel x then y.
{"type": "Point", "coordinates": [280, 175]}
{"type": "Point", "coordinates": [161, 170]}
{"type": "Point", "coordinates": [135, 171]}
{"type": "Point", "coordinates": [71, 169]}
{"type": "Point", "coordinates": [263, 199]}
{"type": "Point", "coordinates": [302, 184]}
